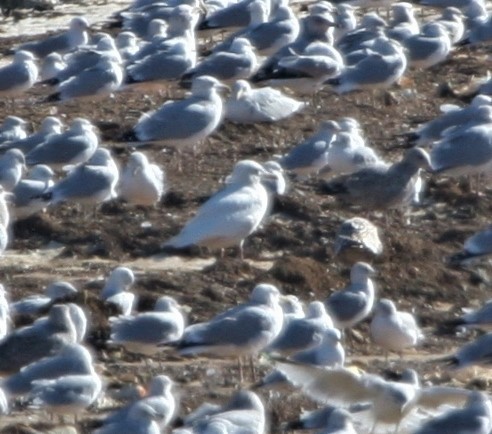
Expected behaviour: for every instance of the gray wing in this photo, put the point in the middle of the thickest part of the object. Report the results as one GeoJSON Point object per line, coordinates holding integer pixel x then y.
{"type": "Point", "coordinates": [25, 192]}
{"type": "Point", "coordinates": [236, 15]}
{"type": "Point", "coordinates": [223, 66]}
{"type": "Point", "coordinates": [176, 120]}
{"type": "Point", "coordinates": [40, 49]}
{"type": "Point", "coordinates": [345, 305]}
{"type": "Point", "coordinates": [77, 62]}
{"type": "Point", "coordinates": [28, 144]}
{"type": "Point", "coordinates": [304, 154]}
{"type": "Point", "coordinates": [83, 182]}
{"type": "Point", "coordinates": [160, 66]}
{"type": "Point", "coordinates": [88, 82]}
{"type": "Point", "coordinates": [13, 75]}
{"type": "Point", "coordinates": [299, 334]}
{"type": "Point", "coordinates": [265, 35]}
{"type": "Point", "coordinates": [373, 69]}
{"type": "Point", "coordinates": [420, 48]}
{"type": "Point", "coordinates": [480, 243]}
{"type": "Point", "coordinates": [61, 148]}
{"type": "Point", "coordinates": [145, 328]}
{"type": "Point", "coordinates": [73, 389]}
{"type": "Point", "coordinates": [457, 422]}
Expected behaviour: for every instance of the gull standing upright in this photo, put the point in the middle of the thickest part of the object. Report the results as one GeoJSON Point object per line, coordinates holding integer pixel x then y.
{"type": "Point", "coordinates": [354, 303]}
{"type": "Point", "coordinates": [116, 290]}
{"type": "Point", "coordinates": [230, 215]}
{"type": "Point", "coordinates": [187, 122]}
{"type": "Point", "coordinates": [12, 164]}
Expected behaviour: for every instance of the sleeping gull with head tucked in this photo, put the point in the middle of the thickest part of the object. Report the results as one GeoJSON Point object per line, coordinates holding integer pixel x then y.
{"type": "Point", "coordinates": [18, 76]}
{"type": "Point", "coordinates": [12, 129]}
{"type": "Point", "coordinates": [232, 214]}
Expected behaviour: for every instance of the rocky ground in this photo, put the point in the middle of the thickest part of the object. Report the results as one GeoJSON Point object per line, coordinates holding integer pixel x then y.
{"type": "Point", "coordinates": [293, 250]}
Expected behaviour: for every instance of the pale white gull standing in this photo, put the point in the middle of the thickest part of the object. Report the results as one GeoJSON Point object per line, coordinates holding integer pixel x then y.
{"type": "Point", "coordinates": [187, 122]}
{"type": "Point", "coordinates": [12, 164]}
{"type": "Point", "coordinates": [247, 105]}
{"type": "Point", "coordinates": [142, 182]}
{"type": "Point", "coordinates": [75, 36]}
{"type": "Point", "coordinates": [116, 290]}
{"type": "Point", "coordinates": [392, 329]}
{"type": "Point", "coordinates": [232, 214]}
{"type": "Point", "coordinates": [18, 76]}
{"type": "Point", "coordinates": [142, 332]}
{"type": "Point", "coordinates": [76, 145]}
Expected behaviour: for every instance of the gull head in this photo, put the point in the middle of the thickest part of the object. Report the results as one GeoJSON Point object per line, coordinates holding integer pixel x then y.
{"type": "Point", "coordinates": [121, 276]}
{"type": "Point", "coordinates": [385, 307]}
{"type": "Point", "coordinates": [79, 23]}
{"type": "Point", "coordinates": [81, 124]}
{"type": "Point", "coordinates": [13, 122]}
{"type": "Point", "coordinates": [240, 45]}
{"type": "Point", "coordinates": [24, 56]}
{"type": "Point", "coordinates": [205, 85]}
{"type": "Point", "coordinates": [245, 400]}
{"type": "Point", "coordinates": [332, 335]}
{"type": "Point", "coordinates": [165, 304]}
{"type": "Point", "coordinates": [15, 156]}
{"type": "Point", "coordinates": [240, 88]}
{"type": "Point", "coordinates": [316, 309]}
{"type": "Point", "coordinates": [418, 158]}
{"type": "Point", "coordinates": [265, 293]}
{"type": "Point", "coordinates": [137, 160]}
{"type": "Point", "coordinates": [248, 171]}
{"type": "Point", "coordinates": [435, 30]}
{"type": "Point", "coordinates": [41, 172]}
{"type": "Point", "coordinates": [361, 271]}
{"type": "Point", "coordinates": [59, 290]}
{"type": "Point", "coordinates": [101, 157]}
{"type": "Point", "coordinates": [51, 124]}
{"type": "Point", "coordinates": [160, 385]}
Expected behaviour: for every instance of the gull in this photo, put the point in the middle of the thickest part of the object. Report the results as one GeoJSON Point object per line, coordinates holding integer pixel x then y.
{"type": "Point", "coordinates": [327, 353]}
{"type": "Point", "coordinates": [243, 413]}
{"type": "Point", "coordinates": [479, 318]}
{"type": "Point", "coordinates": [429, 48]}
{"type": "Point", "coordinates": [13, 128]}
{"type": "Point", "coordinates": [329, 420]}
{"type": "Point", "coordinates": [168, 62]}
{"type": "Point", "coordinates": [304, 73]}
{"type": "Point", "coordinates": [160, 399]}
{"type": "Point", "coordinates": [292, 307]}
{"type": "Point", "coordinates": [230, 215]}
{"type": "Point", "coordinates": [72, 359]}
{"type": "Point", "coordinates": [90, 183]}
{"type": "Point", "coordinates": [75, 36]}
{"type": "Point", "coordinates": [452, 20]}
{"type": "Point", "coordinates": [474, 418]}
{"type": "Point", "coordinates": [312, 154]}
{"type": "Point", "coordinates": [4, 403]}
{"type": "Point", "coordinates": [404, 24]}
{"type": "Point", "coordinates": [142, 182]}
{"type": "Point", "coordinates": [476, 353]}
{"type": "Point", "coordinates": [100, 80]}
{"type": "Point", "coordinates": [345, 19]}
{"type": "Point", "coordinates": [392, 329]}
{"type": "Point", "coordinates": [247, 105]}
{"type": "Point", "coordinates": [268, 36]}
{"type": "Point", "coordinates": [238, 62]}
{"type": "Point", "coordinates": [76, 145]}
{"type": "Point", "coordinates": [4, 208]}
{"type": "Point", "coordinates": [33, 304]}
{"type": "Point", "coordinates": [50, 126]}
{"type": "Point", "coordinates": [375, 69]}
{"type": "Point", "coordinates": [302, 333]}
{"type": "Point", "coordinates": [18, 76]}
{"type": "Point", "coordinates": [467, 149]}
{"type": "Point", "coordinates": [451, 116]}
{"type": "Point", "coordinates": [28, 190]}
{"type": "Point", "coordinates": [68, 394]}
{"type": "Point", "coordinates": [243, 330]}
{"type": "Point", "coordinates": [235, 16]}
{"type": "Point", "coordinates": [53, 64]}
{"type": "Point", "coordinates": [12, 164]}
{"type": "Point", "coordinates": [127, 45]}
{"type": "Point", "coordinates": [116, 290]}
{"type": "Point", "coordinates": [357, 239]}
{"type": "Point", "coordinates": [143, 332]}
{"type": "Point", "coordinates": [345, 155]}
{"type": "Point", "coordinates": [478, 246]}
{"type": "Point", "coordinates": [479, 30]}
{"type": "Point", "coordinates": [141, 419]}
{"type": "Point", "coordinates": [390, 401]}
{"type": "Point", "coordinates": [381, 186]}
{"type": "Point", "coordinates": [87, 57]}
{"type": "Point", "coordinates": [187, 122]}
{"type": "Point", "coordinates": [43, 338]}
{"type": "Point", "coordinates": [354, 303]}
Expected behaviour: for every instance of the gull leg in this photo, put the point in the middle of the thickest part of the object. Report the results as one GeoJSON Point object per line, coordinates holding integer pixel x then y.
{"type": "Point", "coordinates": [373, 430]}
{"type": "Point", "coordinates": [240, 367]}
{"type": "Point", "coordinates": [252, 367]}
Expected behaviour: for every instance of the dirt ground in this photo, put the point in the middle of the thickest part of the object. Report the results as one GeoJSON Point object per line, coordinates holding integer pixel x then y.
{"type": "Point", "coordinates": [293, 250]}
